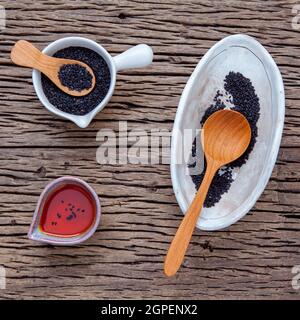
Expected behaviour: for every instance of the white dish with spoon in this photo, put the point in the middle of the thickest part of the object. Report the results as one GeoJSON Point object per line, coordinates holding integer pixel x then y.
{"type": "Point", "coordinates": [243, 54]}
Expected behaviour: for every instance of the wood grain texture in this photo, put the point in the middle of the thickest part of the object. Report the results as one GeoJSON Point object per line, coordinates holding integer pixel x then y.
{"type": "Point", "coordinates": [124, 259]}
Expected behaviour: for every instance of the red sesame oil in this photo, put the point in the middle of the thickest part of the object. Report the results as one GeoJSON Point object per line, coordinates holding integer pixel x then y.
{"type": "Point", "coordinates": [68, 212]}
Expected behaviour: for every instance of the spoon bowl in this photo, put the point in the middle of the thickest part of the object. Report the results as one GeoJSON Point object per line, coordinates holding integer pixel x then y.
{"type": "Point", "coordinates": [225, 137]}
{"type": "Point", "coordinates": [25, 54]}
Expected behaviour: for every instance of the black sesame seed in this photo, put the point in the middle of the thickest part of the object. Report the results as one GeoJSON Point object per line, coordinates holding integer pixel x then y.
{"type": "Point", "coordinates": [75, 77]}
{"type": "Point", "coordinates": [70, 217]}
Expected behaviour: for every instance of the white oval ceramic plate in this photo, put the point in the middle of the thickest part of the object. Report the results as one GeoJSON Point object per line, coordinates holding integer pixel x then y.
{"type": "Point", "coordinates": [238, 53]}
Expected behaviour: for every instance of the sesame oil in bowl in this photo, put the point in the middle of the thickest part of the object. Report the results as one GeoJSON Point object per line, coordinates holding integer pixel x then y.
{"type": "Point", "coordinates": [68, 212]}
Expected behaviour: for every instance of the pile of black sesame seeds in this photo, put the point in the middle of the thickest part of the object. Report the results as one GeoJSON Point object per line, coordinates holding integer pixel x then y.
{"type": "Point", "coordinates": [239, 93]}
{"type": "Point", "coordinates": [75, 77]}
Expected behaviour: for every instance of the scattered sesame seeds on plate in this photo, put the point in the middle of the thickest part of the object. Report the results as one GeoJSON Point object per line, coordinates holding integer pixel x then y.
{"type": "Point", "coordinates": [237, 94]}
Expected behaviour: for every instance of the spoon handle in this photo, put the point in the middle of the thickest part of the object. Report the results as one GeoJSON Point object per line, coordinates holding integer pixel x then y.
{"type": "Point", "coordinates": [25, 54]}
{"type": "Point", "coordinates": [184, 233]}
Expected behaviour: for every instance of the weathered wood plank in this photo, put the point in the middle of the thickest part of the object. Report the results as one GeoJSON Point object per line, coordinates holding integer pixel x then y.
{"type": "Point", "coordinates": [251, 259]}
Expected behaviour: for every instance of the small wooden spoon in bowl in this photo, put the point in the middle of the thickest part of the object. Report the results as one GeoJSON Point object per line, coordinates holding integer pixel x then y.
{"type": "Point", "coordinates": [25, 54]}
{"type": "Point", "coordinates": [225, 137]}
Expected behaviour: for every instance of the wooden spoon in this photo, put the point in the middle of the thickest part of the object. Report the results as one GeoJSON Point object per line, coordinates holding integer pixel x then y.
{"type": "Point", "coordinates": [225, 136]}
{"type": "Point", "coordinates": [25, 54]}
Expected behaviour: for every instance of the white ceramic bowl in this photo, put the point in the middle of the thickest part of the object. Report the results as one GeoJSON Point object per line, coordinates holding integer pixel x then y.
{"type": "Point", "coordinates": [135, 57]}
{"type": "Point", "coordinates": [243, 54]}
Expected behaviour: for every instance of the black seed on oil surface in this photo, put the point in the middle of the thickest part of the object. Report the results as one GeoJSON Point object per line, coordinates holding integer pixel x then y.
{"type": "Point", "coordinates": [241, 94]}
{"type": "Point", "coordinates": [75, 77]}
{"type": "Point", "coordinates": [85, 104]}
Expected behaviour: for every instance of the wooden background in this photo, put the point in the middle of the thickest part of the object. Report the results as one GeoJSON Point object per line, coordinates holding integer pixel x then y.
{"type": "Point", "coordinates": [124, 259]}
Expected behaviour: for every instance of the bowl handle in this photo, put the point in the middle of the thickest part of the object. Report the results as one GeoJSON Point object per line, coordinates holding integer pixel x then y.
{"type": "Point", "coordinates": [135, 57]}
